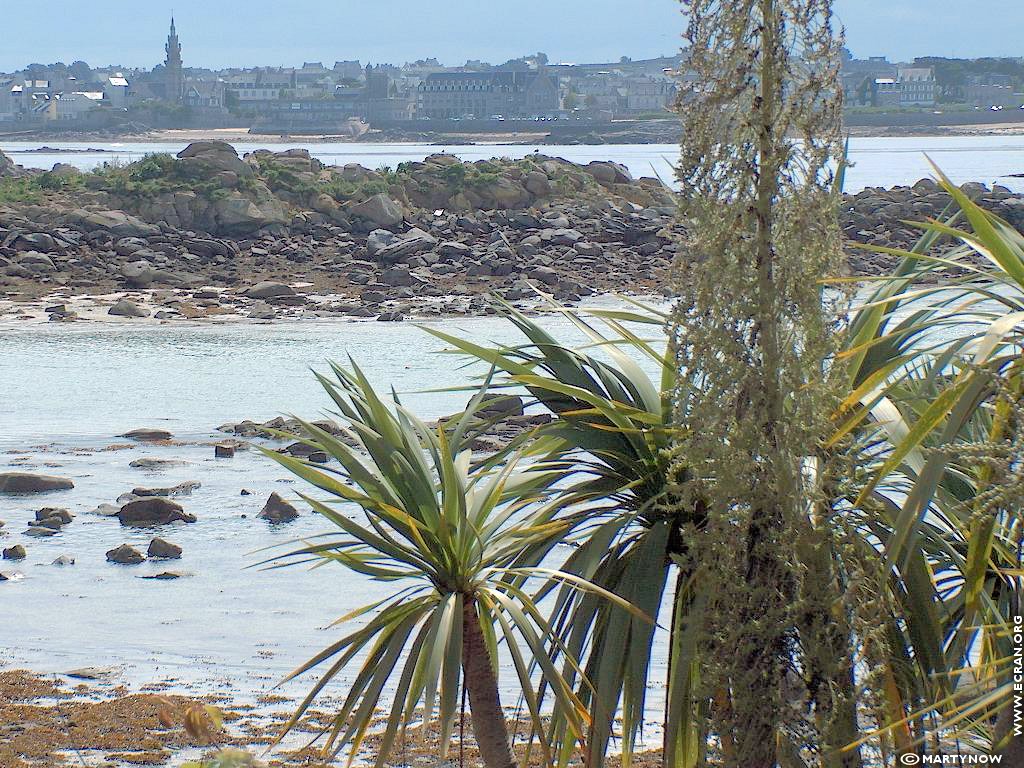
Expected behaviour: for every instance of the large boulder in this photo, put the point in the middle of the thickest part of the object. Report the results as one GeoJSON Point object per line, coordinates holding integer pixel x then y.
{"type": "Point", "coordinates": [505, 193]}
{"type": "Point", "coordinates": [277, 510]}
{"type": "Point", "coordinates": [412, 243]}
{"type": "Point", "coordinates": [269, 290]}
{"type": "Point", "coordinates": [126, 308]}
{"type": "Point", "coordinates": [208, 158]}
{"type": "Point", "coordinates": [25, 482]}
{"type": "Point", "coordinates": [237, 214]}
{"type": "Point", "coordinates": [17, 552]}
{"type": "Point", "coordinates": [607, 172]}
{"type": "Point", "coordinates": [156, 510]}
{"type": "Point", "coordinates": [139, 274]}
{"type": "Point", "coordinates": [117, 222]}
{"type": "Point", "coordinates": [380, 210]}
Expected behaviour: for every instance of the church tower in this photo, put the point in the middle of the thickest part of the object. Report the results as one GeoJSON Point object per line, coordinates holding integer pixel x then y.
{"type": "Point", "coordinates": [174, 78]}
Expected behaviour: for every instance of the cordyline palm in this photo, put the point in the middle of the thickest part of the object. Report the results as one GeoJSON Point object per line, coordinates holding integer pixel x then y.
{"type": "Point", "coordinates": [938, 374]}
{"type": "Point", "coordinates": [459, 544]}
{"type": "Point", "coordinates": [612, 427]}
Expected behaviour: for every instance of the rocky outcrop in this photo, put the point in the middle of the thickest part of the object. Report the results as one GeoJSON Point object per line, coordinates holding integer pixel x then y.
{"type": "Point", "coordinates": [25, 482]}
{"type": "Point", "coordinates": [433, 237]}
{"type": "Point", "coordinates": [8, 168]}
{"type": "Point", "coordinates": [157, 510]}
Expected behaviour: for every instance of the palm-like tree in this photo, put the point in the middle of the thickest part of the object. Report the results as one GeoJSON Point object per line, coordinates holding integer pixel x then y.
{"type": "Point", "coordinates": [936, 381]}
{"type": "Point", "coordinates": [613, 432]}
{"type": "Point", "coordinates": [460, 544]}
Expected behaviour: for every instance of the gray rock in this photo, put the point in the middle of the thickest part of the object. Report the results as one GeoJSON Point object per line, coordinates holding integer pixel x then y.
{"type": "Point", "coordinates": [125, 308]}
{"type": "Point", "coordinates": [153, 511]}
{"type": "Point", "coordinates": [262, 311]}
{"type": "Point", "coordinates": [163, 550]}
{"type": "Point", "coordinates": [181, 489]}
{"type": "Point", "coordinates": [17, 552]}
{"type": "Point", "coordinates": [106, 510]}
{"type": "Point", "coordinates": [277, 510]}
{"type": "Point", "coordinates": [117, 222]}
{"type": "Point", "coordinates": [64, 560]}
{"type": "Point", "coordinates": [607, 172]}
{"type": "Point", "coordinates": [139, 274]}
{"type": "Point", "coordinates": [51, 513]}
{"type": "Point", "coordinates": [155, 464]}
{"type": "Point", "coordinates": [24, 482]}
{"type": "Point", "coordinates": [397, 276]}
{"type": "Point", "coordinates": [380, 210]}
{"type": "Point", "coordinates": [545, 274]}
{"type": "Point", "coordinates": [148, 435]}
{"type": "Point", "coordinates": [39, 531]}
{"type": "Point", "coordinates": [223, 451]}
{"type": "Point", "coordinates": [125, 555]}
{"type": "Point", "coordinates": [269, 290]}
{"type": "Point", "coordinates": [378, 240]}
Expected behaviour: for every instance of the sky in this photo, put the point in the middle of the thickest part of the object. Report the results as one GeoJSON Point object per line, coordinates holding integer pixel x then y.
{"type": "Point", "coordinates": [221, 33]}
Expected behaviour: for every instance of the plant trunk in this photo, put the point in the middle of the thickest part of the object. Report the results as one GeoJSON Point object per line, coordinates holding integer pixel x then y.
{"type": "Point", "coordinates": [482, 686]}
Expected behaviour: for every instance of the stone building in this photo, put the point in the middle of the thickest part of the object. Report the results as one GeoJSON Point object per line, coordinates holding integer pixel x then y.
{"type": "Point", "coordinates": [917, 86]}
{"type": "Point", "coordinates": [447, 95]}
{"type": "Point", "coordinates": [174, 74]}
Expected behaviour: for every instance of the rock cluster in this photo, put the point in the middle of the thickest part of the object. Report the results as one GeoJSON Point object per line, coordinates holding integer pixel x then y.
{"type": "Point", "coordinates": [880, 217]}
{"type": "Point", "coordinates": [432, 237]}
{"type": "Point", "coordinates": [278, 234]}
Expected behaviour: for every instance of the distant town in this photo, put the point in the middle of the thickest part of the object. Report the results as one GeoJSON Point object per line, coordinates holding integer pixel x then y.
{"type": "Point", "coordinates": [347, 98]}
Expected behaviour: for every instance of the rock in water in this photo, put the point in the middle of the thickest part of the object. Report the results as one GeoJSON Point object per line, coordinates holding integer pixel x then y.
{"type": "Point", "coordinates": [24, 482]}
{"type": "Point", "coordinates": [17, 552]}
{"type": "Point", "coordinates": [64, 560]}
{"type": "Point", "coordinates": [49, 513]}
{"type": "Point", "coordinates": [223, 451]}
{"type": "Point", "coordinates": [125, 555]}
{"type": "Point", "coordinates": [157, 510]}
{"type": "Point", "coordinates": [181, 489]}
{"type": "Point", "coordinates": [163, 550]}
{"type": "Point", "coordinates": [148, 435]}
{"type": "Point", "coordinates": [125, 308]}
{"type": "Point", "coordinates": [155, 464]}
{"type": "Point", "coordinates": [277, 510]}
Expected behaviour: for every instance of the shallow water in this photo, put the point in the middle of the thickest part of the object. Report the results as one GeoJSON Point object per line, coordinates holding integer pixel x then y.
{"type": "Point", "coordinates": [884, 162]}
{"type": "Point", "coordinates": [68, 391]}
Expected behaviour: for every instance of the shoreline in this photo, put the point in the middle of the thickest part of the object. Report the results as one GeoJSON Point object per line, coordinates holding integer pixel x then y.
{"type": "Point", "coordinates": [242, 135]}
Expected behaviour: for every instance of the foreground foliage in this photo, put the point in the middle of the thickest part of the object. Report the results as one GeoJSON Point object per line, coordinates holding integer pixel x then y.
{"type": "Point", "coordinates": [459, 542]}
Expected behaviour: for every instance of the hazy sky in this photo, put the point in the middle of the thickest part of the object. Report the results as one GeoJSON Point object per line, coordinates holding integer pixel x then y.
{"type": "Point", "coordinates": [217, 33]}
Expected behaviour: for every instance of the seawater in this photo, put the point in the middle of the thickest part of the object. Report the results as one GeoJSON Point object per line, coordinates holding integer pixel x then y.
{"type": "Point", "coordinates": [880, 162]}
{"type": "Point", "coordinates": [69, 391]}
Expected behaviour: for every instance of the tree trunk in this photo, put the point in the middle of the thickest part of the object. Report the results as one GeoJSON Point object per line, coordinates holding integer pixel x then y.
{"type": "Point", "coordinates": [482, 686]}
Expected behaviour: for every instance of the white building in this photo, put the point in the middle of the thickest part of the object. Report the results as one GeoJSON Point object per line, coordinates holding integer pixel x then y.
{"type": "Point", "coordinates": [115, 91]}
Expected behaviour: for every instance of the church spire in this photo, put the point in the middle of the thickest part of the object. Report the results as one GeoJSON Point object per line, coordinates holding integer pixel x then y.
{"type": "Point", "coordinates": [174, 78]}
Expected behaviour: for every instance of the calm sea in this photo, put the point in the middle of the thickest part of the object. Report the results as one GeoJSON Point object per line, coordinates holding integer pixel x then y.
{"type": "Point", "coordinates": [882, 162]}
